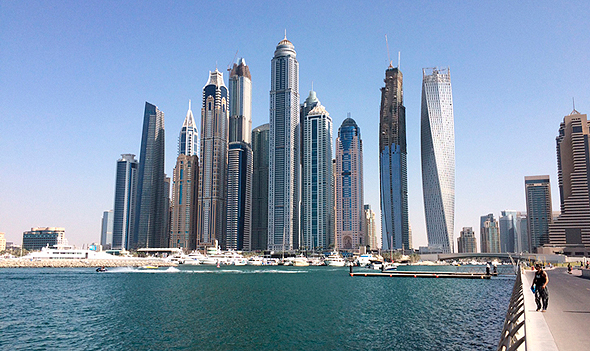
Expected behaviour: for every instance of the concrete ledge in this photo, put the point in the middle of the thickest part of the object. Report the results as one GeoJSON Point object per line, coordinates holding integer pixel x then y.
{"type": "Point", "coordinates": [585, 273]}
{"type": "Point", "coordinates": [538, 335]}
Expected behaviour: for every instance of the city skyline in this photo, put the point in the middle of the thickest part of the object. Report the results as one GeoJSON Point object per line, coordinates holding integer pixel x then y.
{"type": "Point", "coordinates": [45, 66]}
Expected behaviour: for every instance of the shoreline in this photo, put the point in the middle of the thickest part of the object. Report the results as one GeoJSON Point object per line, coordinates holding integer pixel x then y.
{"type": "Point", "coordinates": [84, 263]}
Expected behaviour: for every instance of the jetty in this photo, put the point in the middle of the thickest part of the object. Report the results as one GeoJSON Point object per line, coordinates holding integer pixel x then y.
{"type": "Point", "coordinates": [421, 274]}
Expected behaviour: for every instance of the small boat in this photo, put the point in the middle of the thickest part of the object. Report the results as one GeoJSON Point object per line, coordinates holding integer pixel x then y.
{"type": "Point", "coordinates": [300, 261]}
{"type": "Point", "coordinates": [149, 267]}
{"type": "Point", "coordinates": [101, 269]}
{"type": "Point", "coordinates": [335, 260]}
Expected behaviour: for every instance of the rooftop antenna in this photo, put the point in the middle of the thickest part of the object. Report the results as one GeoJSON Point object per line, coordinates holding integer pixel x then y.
{"type": "Point", "coordinates": [232, 61]}
{"type": "Point", "coordinates": [348, 114]}
{"type": "Point", "coordinates": [285, 33]}
{"type": "Point", "coordinates": [189, 104]}
{"type": "Point", "coordinates": [399, 57]}
{"type": "Point", "coordinates": [388, 55]}
{"type": "Point", "coordinates": [312, 85]}
{"type": "Point", "coordinates": [574, 103]}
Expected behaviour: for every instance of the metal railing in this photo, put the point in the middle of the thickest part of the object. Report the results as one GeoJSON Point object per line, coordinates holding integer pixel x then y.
{"type": "Point", "coordinates": [513, 332]}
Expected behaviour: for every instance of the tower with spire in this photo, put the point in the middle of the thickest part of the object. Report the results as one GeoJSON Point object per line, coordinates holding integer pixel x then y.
{"type": "Point", "coordinates": [183, 230]}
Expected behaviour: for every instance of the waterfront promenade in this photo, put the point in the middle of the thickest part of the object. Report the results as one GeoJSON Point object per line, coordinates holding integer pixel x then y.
{"type": "Point", "coordinates": [565, 324]}
{"type": "Point", "coordinates": [81, 263]}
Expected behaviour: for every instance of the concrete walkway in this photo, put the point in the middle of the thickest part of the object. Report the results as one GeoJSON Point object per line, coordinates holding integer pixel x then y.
{"type": "Point", "coordinates": [567, 318]}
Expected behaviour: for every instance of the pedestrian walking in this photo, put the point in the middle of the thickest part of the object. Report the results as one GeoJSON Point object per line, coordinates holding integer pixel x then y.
{"type": "Point", "coordinates": [569, 268]}
{"type": "Point", "coordinates": [539, 287]}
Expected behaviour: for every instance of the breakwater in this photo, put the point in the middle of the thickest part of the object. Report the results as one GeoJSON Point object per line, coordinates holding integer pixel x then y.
{"type": "Point", "coordinates": [80, 263]}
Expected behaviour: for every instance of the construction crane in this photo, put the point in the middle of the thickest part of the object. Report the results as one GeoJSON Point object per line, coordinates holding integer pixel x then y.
{"type": "Point", "coordinates": [229, 66]}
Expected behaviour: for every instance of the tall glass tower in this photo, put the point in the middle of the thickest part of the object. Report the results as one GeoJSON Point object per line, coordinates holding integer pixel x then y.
{"type": "Point", "coordinates": [283, 199]}
{"type": "Point", "coordinates": [437, 134]}
{"type": "Point", "coordinates": [213, 161]}
{"type": "Point", "coordinates": [539, 210]}
{"type": "Point", "coordinates": [125, 202]}
{"type": "Point", "coordinates": [350, 233]}
{"type": "Point", "coordinates": [317, 178]}
{"type": "Point", "coordinates": [183, 233]}
{"type": "Point", "coordinates": [260, 146]}
{"type": "Point", "coordinates": [392, 164]}
{"type": "Point", "coordinates": [152, 203]}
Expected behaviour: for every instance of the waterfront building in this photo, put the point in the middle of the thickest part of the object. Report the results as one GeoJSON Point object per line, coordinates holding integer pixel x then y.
{"type": "Point", "coordinates": [283, 199]}
{"type": "Point", "coordinates": [572, 227]}
{"type": "Point", "coordinates": [509, 231]}
{"type": "Point", "coordinates": [40, 237]}
{"type": "Point", "coordinates": [317, 179]}
{"type": "Point", "coordinates": [372, 236]}
{"type": "Point", "coordinates": [466, 242]}
{"type": "Point", "coordinates": [349, 201]}
{"type": "Point", "coordinates": [489, 234]}
{"type": "Point", "coordinates": [523, 239]}
{"type": "Point", "coordinates": [393, 163]}
{"type": "Point", "coordinates": [539, 210]}
{"type": "Point", "coordinates": [437, 136]}
{"type": "Point", "coordinates": [240, 162]}
{"type": "Point", "coordinates": [125, 205]}
{"type": "Point", "coordinates": [152, 203]}
{"type": "Point", "coordinates": [2, 242]}
{"type": "Point", "coordinates": [213, 161]}
{"type": "Point", "coordinates": [106, 229]}
{"type": "Point", "coordinates": [260, 150]}
{"type": "Point", "coordinates": [185, 180]}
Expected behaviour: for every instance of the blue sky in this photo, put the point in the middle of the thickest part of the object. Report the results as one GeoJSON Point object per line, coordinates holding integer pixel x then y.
{"type": "Point", "coordinates": [75, 76]}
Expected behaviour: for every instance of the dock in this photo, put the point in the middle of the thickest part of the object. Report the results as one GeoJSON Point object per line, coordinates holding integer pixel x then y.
{"type": "Point", "coordinates": [421, 274]}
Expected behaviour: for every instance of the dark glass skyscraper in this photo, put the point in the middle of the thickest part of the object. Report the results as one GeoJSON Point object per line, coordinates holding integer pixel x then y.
{"type": "Point", "coordinates": [538, 209]}
{"type": "Point", "coordinates": [125, 201]}
{"type": "Point", "coordinates": [260, 188]}
{"type": "Point", "coordinates": [152, 196]}
{"type": "Point", "coordinates": [392, 164]}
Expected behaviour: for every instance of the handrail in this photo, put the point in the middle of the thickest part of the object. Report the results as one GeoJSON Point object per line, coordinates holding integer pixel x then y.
{"type": "Point", "coordinates": [513, 333]}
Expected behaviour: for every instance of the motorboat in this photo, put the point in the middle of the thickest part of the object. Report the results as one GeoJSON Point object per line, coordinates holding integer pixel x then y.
{"type": "Point", "coordinates": [255, 261]}
{"type": "Point", "coordinates": [335, 260]}
{"type": "Point", "coordinates": [300, 261]}
{"type": "Point", "coordinates": [59, 252]}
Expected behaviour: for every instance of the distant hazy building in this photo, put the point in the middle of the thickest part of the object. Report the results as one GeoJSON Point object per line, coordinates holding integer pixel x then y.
{"type": "Point", "coordinates": [508, 231]}
{"type": "Point", "coordinates": [466, 243]}
{"type": "Point", "coordinates": [260, 149]}
{"type": "Point", "coordinates": [317, 179]}
{"type": "Point", "coordinates": [393, 171]}
{"type": "Point", "coordinates": [213, 161]}
{"type": "Point", "coordinates": [523, 237]}
{"type": "Point", "coordinates": [125, 205]}
{"type": "Point", "coordinates": [40, 237]}
{"type": "Point", "coordinates": [283, 199]}
{"type": "Point", "coordinates": [185, 181]}
{"type": "Point", "coordinates": [572, 228]}
{"type": "Point", "coordinates": [240, 163]}
{"type": "Point", "coordinates": [151, 222]}
{"type": "Point", "coordinates": [539, 210]}
{"type": "Point", "coordinates": [373, 238]}
{"type": "Point", "coordinates": [437, 135]}
{"type": "Point", "coordinates": [106, 229]}
{"type": "Point", "coordinates": [2, 242]}
{"type": "Point", "coordinates": [489, 234]}
{"type": "Point", "coordinates": [349, 200]}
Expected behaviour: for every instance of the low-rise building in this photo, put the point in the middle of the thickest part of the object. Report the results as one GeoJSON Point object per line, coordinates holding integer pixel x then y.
{"type": "Point", "coordinates": [40, 237]}
{"type": "Point", "coordinates": [2, 242]}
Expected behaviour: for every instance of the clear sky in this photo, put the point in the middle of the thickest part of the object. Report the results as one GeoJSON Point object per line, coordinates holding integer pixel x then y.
{"type": "Point", "coordinates": [75, 75]}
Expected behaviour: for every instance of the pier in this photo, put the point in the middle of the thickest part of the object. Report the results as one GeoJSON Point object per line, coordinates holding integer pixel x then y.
{"type": "Point", "coordinates": [421, 274]}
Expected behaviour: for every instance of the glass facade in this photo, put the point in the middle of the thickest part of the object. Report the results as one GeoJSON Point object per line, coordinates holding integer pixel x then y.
{"type": "Point", "coordinates": [260, 188]}
{"type": "Point", "coordinates": [125, 202]}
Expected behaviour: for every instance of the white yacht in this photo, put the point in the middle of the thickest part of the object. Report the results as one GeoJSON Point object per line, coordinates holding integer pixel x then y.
{"type": "Point", "coordinates": [60, 252]}
{"type": "Point", "coordinates": [300, 261]}
{"type": "Point", "coordinates": [255, 261]}
{"type": "Point", "coordinates": [335, 260]}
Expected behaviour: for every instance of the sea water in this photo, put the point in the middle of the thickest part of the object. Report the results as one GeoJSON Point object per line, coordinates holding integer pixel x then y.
{"type": "Point", "coordinates": [246, 308]}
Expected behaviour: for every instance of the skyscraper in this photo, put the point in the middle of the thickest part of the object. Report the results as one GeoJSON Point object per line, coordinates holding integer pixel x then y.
{"type": "Point", "coordinates": [509, 231]}
{"type": "Point", "coordinates": [239, 181]}
{"type": "Point", "coordinates": [373, 239]}
{"type": "Point", "coordinates": [437, 135]}
{"type": "Point", "coordinates": [392, 163]}
{"type": "Point", "coordinates": [213, 161]}
{"type": "Point", "coordinates": [572, 227]}
{"type": "Point", "coordinates": [260, 148]}
{"type": "Point", "coordinates": [152, 204]}
{"type": "Point", "coordinates": [350, 233]}
{"type": "Point", "coordinates": [538, 209]}
{"type": "Point", "coordinates": [106, 230]}
{"type": "Point", "coordinates": [125, 202]}
{"type": "Point", "coordinates": [317, 179]}
{"type": "Point", "coordinates": [489, 234]}
{"type": "Point", "coordinates": [466, 242]}
{"type": "Point", "coordinates": [185, 180]}
{"type": "Point", "coordinates": [283, 201]}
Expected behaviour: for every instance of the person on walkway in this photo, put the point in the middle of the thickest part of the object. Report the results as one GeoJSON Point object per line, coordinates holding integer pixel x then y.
{"type": "Point", "coordinates": [540, 288]}
{"type": "Point", "coordinates": [569, 268]}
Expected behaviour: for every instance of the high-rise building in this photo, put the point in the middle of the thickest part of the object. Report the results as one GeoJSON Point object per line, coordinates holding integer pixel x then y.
{"type": "Point", "coordinates": [240, 163]}
{"type": "Point", "coordinates": [260, 148]}
{"type": "Point", "coordinates": [572, 227]}
{"type": "Point", "coordinates": [373, 239]}
{"type": "Point", "coordinates": [185, 180]}
{"type": "Point", "coordinates": [283, 199]}
{"type": "Point", "coordinates": [523, 236]}
{"type": "Point", "coordinates": [125, 206]}
{"type": "Point", "coordinates": [2, 242]}
{"type": "Point", "coordinates": [489, 234]}
{"type": "Point", "coordinates": [317, 179]}
{"type": "Point", "coordinates": [509, 231]}
{"type": "Point", "coordinates": [393, 170]}
{"type": "Point", "coordinates": [349, 213]}
{"type": "Point", "coordinates": [151, 217]}
{"type": "Point", "coordinates": [538, 210]}
{"type": "Point", "coordinates": [437, 135]}
{"type": "Point", "coordinates": [213, 160]}
{"type": "Point", "coordinates": [466, 243]}
{"type": "Point", "coordinates": [106, 230]}
{"type": "Point", "coordinates": [39, 237]}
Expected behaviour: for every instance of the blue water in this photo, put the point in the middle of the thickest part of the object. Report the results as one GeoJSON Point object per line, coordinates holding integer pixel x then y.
{"type": "Point", "coordinates": [246, 308]}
